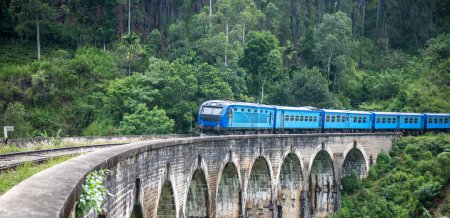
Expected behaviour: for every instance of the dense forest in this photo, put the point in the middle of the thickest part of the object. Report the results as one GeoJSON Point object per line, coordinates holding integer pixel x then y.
{"type": "Point", "coordinates": [105, 67]}
{"type": "Point", "coordinates": [410, 181]}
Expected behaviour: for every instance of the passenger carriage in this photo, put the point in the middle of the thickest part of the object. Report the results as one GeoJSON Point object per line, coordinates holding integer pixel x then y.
{"type": "Point", "coordinates": [435, 121]}
{"type": "Point", "coordinates": [410, 121]}
{"type": "Point", "coordinates": [297, 118]}
{"type": "Point", "coordinates": [386, 120]}
{"type": "Point", "coordinates": [344, 119]}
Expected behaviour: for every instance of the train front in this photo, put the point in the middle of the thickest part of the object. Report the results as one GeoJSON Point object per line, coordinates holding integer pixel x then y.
{"type": "Point", "coordinates": [212, 116]}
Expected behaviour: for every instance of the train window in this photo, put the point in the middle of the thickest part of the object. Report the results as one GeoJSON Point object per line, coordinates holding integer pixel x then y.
{"type": "Point", "coordinates": [287, 118]}
{"type": "Point", "coordinates": [383, 119]}
{"type": "Point", "coordinates": [446, 120]}
{"type": "Point", "coordinates": [378, 119]}
{"type": "Point", "coordinates": [359, 119]}
{"type": "Point", "coordinates": [343, 118]}
{"type": "Point", "coordinates": [338, 118]}
{"type": "Point", "coordinates": [266, 112]}
{"type": "Point", "coordinates": [394, 120]}
{"type": "Point", "coordinates": [435, 120]}
{"type": "Point", "coordinates": [328, 118]}
{"type": "Point", "coordinates": [315, 119]}
{"type": "Point", "coordinates": [430, 120]}
{"type": "Point", "coordinates": [355, 119]}
{"type": "Point", "coordinates": [332, 118]}
{"type": "Point", "coordinates": [256, 111]}
{"type": "Point", "coordinates": [292, 117]}
{"type": "Point", "coordinates": [249, 110]}
{"type": "Point", "coordinates": [415, 120]}
{"type": "Point", "coordinates": [242, 109]}
{"type": "Point", "coordinates": [301, 118]}
{"type": "Point", "coordinates": [440, 119]}
{"type": "Point", "coordinates": [296, 118]}
{"type": "Point", "coordinates": [406, 119]}
{"type": "Point", "coordinates": [410, 120]}
{"type": "Point", "coordinates": [310, 118]}
{"type": "Point", "coordinates": [364, 119]}
{"type": "Point", "coordinates": [235, 109]}
{"type": "Point", "coordinates": [389, 120]}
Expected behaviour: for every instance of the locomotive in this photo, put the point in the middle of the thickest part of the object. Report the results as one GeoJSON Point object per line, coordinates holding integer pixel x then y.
{"type": "Point", "coordinates": [230, 117]}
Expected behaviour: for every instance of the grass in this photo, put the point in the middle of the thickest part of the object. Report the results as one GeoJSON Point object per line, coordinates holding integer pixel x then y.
{"type": "Point", "coordinates": [9, 179]}
{"type": "Point", "coordinates": [55, 144]}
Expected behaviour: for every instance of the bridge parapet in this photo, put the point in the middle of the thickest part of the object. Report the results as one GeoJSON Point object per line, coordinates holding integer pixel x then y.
{"type": "Point", "coordinates": [255, 175]}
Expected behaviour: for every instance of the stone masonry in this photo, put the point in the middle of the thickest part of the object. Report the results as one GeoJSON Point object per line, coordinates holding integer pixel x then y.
{"type": "Point", "coordinates": [223, 176]}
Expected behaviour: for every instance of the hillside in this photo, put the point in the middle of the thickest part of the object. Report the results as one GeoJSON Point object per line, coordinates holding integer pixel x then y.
{"type": "Point", "coordinates": [84, 68]}
{"type": "Point", "coordinates": [413, 180]}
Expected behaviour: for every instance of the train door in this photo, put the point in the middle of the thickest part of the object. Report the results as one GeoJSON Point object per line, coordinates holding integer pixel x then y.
{"type": "Point", "coordinates": [282, 120]}
{"type": "Point", "coordinates": [230, 117]}
{"type": "Point", "coordinates": [252, 117]}
{"type": "Point", "coordinates": [346, 121]}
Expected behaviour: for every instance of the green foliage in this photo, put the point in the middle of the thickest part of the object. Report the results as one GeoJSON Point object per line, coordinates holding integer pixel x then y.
{"type": "Point", "coordinates": [262, 60]}
{"type": "Point", "coordinates": [351, 183]}
{"type": "Point", "coordinates": [145, 122]}
{"type": "Point", "coordinates": [16, 115]}
{"type": "Point", "coordinates": [188, 52]}
{"type": "Point", "coordinates": [402, 183]}
{"type": "Point", "coordinates": [93, 193]}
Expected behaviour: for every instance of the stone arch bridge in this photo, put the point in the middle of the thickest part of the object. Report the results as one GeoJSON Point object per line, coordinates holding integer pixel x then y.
{"type": "Point", "coordinates": [223, 176]}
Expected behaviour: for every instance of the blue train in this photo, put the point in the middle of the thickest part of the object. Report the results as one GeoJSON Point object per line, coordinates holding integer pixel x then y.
{"type": "Point", "coordinates": [229, 117]}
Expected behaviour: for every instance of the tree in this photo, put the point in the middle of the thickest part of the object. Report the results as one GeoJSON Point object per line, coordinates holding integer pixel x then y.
{"type": "Point", "coordinates": [34, 10]}
{"type": "Point", "coordinates": [306, 87]}
{"type": "Point", "coordinates": [131, 46]}
{"type": "Point", "coordinates": [142, 121]}
{"type": "Point", "coordinates": [262, 61]}
{"type": "Point", "coordinates": [16, 115]}
{"type": "Point", "coordinates": [332, 38]}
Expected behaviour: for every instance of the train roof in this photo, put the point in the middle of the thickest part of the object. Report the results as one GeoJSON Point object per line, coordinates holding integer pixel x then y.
{"type": "Point", "coordinates": [397, 113]}
{"type": "Point", "coordinates": [436, 114]}
{"type": "Point", "coordinates": [224, 103]}
{"type": "Point", "coordinates": [344, 111]}
{"type": "Point", "coordinates": [293, 108]}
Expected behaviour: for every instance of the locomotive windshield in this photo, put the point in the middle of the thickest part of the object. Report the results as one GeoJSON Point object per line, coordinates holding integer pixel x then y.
{"type": "Point", "coordinates": [211, 110]}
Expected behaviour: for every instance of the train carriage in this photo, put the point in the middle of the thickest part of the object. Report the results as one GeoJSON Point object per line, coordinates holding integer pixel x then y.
{"type": "Point", "coordinates": [435, 121]}
{"type": "Point", "coordinates": [343, 119]}
{"type": "Point", "coordinates": [297, 118]}
{"type": "Point", "coordinates": [385, 120]}
{"type": "Point", "coordinates": [410, 121]}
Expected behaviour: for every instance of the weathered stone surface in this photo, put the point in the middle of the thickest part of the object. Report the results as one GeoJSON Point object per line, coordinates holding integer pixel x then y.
{"type": "Point", "coordinates": [232, 173]}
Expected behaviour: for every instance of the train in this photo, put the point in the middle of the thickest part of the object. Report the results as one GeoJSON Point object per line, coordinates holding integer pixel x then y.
{"type": "Point", "coordinates": [231, 117]}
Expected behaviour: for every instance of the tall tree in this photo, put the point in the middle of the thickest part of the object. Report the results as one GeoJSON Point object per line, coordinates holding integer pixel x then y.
{"type": "Point", "coordinates": [36, 10]}
{"type": "Point", "coordinates": [262, 61]}
{"type": "Point", "coordinates": [332, 38]}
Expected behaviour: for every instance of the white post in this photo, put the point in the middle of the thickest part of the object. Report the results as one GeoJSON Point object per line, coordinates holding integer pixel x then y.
{"type": "Point", "coordinates": [6, 129]}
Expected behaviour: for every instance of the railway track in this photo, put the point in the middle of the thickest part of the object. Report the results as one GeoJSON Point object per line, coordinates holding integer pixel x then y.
{"type": "Point", "coordinates": [12, 160]}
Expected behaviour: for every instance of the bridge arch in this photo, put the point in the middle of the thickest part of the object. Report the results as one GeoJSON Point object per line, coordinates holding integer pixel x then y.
{"type": "Point", "coordinates": [197, 190]}
{"type": "Point", "coordinates": [167, 197]}
{"type": "Point", "coordinates": [322, 182]}
{"type": "Point", "coordinates": [289, 186]}
{"type": "Point", "coordinates": [355, 159]}
{"type": "Point", "coordinates": [259, 188]}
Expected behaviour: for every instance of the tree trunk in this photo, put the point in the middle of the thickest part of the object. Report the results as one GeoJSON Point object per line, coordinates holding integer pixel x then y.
{"type": "Point", "coordinates": [378, 17]}
{"type": "Point", "coordinates": [360, 64]}
{"type": "Point", "coordinates": [243, 34]}
{"type": "Point", "coordinates": [226, 45]}
{"type": "Point", "coordinates": [38, 40]}
{"type": "Point", "coordinates": [262, 89]}
{"type": "Point", "coordinates": [129, 16]}
{"type": "Point", "coordinates": [329, 64]}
